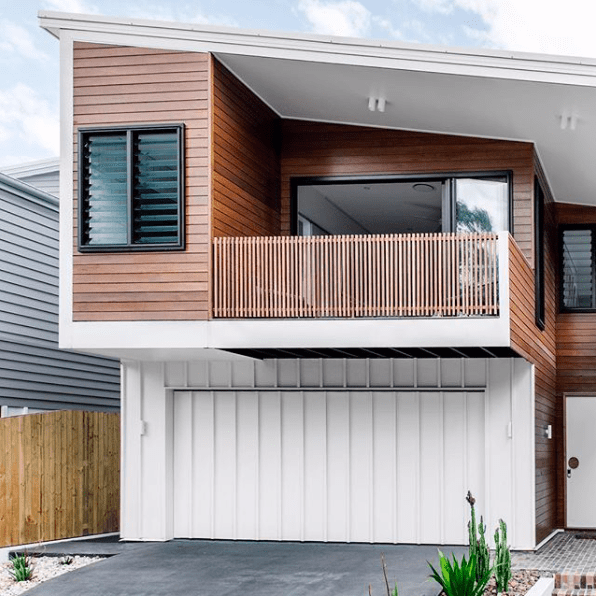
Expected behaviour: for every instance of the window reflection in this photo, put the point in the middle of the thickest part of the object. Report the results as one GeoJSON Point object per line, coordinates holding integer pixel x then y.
{"type": "Point", "coordinates": [481, 205]}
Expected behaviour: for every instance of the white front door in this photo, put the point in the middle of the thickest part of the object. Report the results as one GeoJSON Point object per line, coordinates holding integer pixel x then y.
{"type": "Point", "coordinates": [581, 461]}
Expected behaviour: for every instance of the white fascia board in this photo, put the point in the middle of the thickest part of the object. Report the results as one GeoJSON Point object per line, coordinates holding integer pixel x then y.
{"type": "Point", "coordinates": [33, 168]}
{"type": "Point", "coordinates": [173, 340]}
{"type": "Point", "coordinates": [65, 288]}
{"type": "Point", "coordinates": [26, 191]}
{"type": "Point", "coordinates": [318, 48]}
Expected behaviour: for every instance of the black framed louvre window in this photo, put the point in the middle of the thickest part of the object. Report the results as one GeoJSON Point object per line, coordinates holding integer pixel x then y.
{"type": "Point", "coordinates": [577, 268]}
{"type": "Point", "coordinates": [131, 191]}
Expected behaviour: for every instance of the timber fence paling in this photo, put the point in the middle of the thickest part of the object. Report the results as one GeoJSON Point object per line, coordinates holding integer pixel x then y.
{"type": "Point", "coordinates": [392, 275]}
{"type": "Point", "coordinates": [59, 477]}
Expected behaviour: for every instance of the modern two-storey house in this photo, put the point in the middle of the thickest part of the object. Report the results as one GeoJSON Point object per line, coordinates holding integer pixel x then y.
{"type": "Point", "coordinates": [348, 280]}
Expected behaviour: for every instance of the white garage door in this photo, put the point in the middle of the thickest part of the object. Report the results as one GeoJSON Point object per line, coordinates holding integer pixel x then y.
{"type": "Point", "coordinates": [342, 466]}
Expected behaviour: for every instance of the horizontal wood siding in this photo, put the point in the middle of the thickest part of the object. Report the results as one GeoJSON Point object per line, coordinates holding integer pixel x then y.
{"type": "Point", "coordinates": [539, 348]}
{"type": "Point", "coordinates": [245, 177]}
{"type": "Point", "coordinates": [34, 373]}
{"type": "Point", "coordinates": [116, 85]}
{"type": "Point", "coordinates": [576, 332]}
{"type": "Point", "coordinates": [576, 345]}
{"type": "Point", "coordinates": [315, 149]}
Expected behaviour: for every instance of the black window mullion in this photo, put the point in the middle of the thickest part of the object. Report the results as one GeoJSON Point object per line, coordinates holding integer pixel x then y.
{"type": "Point", "coordinates": [589, 304]}
{"type": "Point", "coordinates": [129, 190]}
{"type": "Point", "coordinates": [593, 297]}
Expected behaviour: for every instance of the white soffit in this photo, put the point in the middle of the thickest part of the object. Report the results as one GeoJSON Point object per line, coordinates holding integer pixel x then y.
{"type": "Point", "coordinates": [493, 94]}
{"type": "Point", "coordinates": [440, 103]}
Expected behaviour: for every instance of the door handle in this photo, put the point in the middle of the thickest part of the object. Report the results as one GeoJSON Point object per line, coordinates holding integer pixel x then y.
{"type": "Point", "coordinates": [568, 472]}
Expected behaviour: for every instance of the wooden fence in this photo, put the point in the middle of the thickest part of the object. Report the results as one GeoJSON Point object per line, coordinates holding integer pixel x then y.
{"type": "Point", "coordinates": [59, 476]}
{"type": "Point", "coordinates": [387, 275]}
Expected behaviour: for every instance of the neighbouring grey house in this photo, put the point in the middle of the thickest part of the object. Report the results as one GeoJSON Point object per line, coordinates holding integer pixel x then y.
{"type": "Point", "coordinates": [35, 375]}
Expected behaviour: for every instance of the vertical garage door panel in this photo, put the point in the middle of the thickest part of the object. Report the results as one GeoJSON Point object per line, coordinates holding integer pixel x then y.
{"type": "Point", "coordinates": [225, 464]}
{"type": "Point", "coordinates": [360, 465]}
{"type": "Point", "coordinates": [270, 465]}
{"type": "Point", "coordinates": [203, 464]}
{"type": "Point", "coordinates": [476, 467]}
{"type": "Point", "coordinates": [315, 466]}
{"type": "Point", "coordinates": [361, 468]}
{"type": "Point", "coordinates": [338, 467]}
{"type": "Point", "coordinates": [292, 465]}
{"type": "Point", "coordinates": [408, 442]}
{"type": "Point", "coordinates": [454, 512]}
{"type": "Point", "coordinates": [247, 450]}
{"type": "Point", "coordinates": [431, 463]}
{"type": "Point", "coordinates": [384, 467]}
{"type": "Point", "coordinates": [183, 463]}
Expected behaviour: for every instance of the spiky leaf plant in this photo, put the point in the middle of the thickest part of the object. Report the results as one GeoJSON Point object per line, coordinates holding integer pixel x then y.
{"type": "Point", "coordinates": [459, 578]}
{"type": "Point", "coordinates": [21, 568]}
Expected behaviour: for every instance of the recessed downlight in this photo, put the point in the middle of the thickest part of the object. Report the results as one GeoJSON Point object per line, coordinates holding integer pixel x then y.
{"type": "Point", "coordinates": [423, 187]}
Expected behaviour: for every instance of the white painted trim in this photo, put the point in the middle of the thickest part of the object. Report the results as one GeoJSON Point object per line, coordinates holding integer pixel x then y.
{"type": "Point", "coordinates": [4, 552]}
{"type": "Point", "coordinates": [186, 339]}
{"type": "Point", "coordinates": [504, 290]}
{"type": "Point", "coordinates": [547, 539]}
{"type": "Point", "coordinates": [318, 48]}
{"type": "Point", "coordinates": [32, 168]}
{"type": "Point", "coordinates": [543, 587]}
{"type": "Point", "coordinates": [66, 187]}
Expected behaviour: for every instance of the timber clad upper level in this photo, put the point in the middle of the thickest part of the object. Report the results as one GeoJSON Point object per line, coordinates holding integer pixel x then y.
{"type": "Point", "coordinates": [240, 160]}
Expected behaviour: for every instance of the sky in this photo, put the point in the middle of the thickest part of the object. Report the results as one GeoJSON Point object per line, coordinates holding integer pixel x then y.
{"type": "Point", "coordinates": [29, 60]}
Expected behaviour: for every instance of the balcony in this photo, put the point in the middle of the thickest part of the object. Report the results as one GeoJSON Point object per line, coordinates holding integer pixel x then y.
{"type": "Point", "coordinates": [356, 276]}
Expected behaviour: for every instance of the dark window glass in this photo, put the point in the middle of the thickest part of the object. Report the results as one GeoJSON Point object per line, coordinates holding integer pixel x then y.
{"type": "Point", "coordinates": [155, 188]}
{"type": "Point", "coordinates": [105, 207]}
{"type": "Point", "coordinates": [131, 189]}
{"type": "Point", "coordinates": [578, 269]}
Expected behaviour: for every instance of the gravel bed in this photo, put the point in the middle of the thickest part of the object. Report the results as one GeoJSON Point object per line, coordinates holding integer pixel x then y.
{"type": "Point", "coordinates": [44, 568]}
{"type": "Point", "coordinates": [520, 583]}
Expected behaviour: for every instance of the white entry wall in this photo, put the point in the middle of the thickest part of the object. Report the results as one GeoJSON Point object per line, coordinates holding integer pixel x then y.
{"type": "Point", "coordinates": [327, 450]}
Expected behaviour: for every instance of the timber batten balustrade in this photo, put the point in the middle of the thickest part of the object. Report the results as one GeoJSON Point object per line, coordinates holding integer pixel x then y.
{"type": "Point", "coordinates": [386, 275]}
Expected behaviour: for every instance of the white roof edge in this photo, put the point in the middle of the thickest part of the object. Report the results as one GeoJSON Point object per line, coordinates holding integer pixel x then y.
{"type": "Point", "coordinates": [28, 192]}
{"type": "Point", "coordinates": [32, 168]}
{"type": "Point", "coordinates": [324, 48]}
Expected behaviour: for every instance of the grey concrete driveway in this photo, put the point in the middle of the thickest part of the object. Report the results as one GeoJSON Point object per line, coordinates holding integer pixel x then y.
{"type": "Point", "coordinates": [220, 568]}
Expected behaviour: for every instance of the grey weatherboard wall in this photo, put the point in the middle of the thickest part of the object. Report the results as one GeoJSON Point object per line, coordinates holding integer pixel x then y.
{"type": "Point", "coordinates": [34, 373]}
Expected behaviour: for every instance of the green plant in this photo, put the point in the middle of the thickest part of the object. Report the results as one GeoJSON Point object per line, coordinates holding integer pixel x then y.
{"type": "Point", "coordinates": [459, 578]}
{"type": "Point", "coordinates": [21, 568]}
{"type": "Point", "coordinates": [478, 548]}
{"type": "Point", "coordinates": [67, 560]}
{"type": "Point", "coordinates": [502, 558]}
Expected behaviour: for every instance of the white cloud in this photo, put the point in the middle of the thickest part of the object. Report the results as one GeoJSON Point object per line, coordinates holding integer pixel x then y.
{"type": "Point", "coordinates": [387, 26]}
{"type": "Point", "coordinates": [71, 6]}
{"type": "Point", "coordinates": [345, 17]}
{"type": "Point", "coordinates": [183, 14]}
{"type": "Point", "coordinates": [528, 25]}
{"type": "Point", "coordinates": [16, 39]}
{"type": "Point", "coordinates": [26, 117]}
{"type": "Point", "coordinates": [440, 6]}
